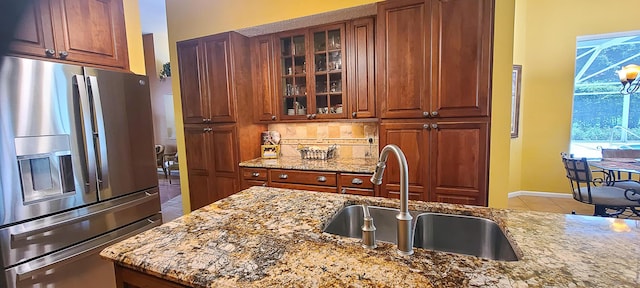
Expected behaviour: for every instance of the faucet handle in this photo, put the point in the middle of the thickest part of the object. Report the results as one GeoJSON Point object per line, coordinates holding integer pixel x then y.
{"type": "Point", "coordinates": [368, 230]}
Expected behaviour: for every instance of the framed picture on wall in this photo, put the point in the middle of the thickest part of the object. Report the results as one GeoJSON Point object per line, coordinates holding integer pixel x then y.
{"type": "Point", "coordinates": [516, 76]}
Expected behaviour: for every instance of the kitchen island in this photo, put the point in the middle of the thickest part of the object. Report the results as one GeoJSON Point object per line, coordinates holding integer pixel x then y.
{"type": "Point", "coordinates": [266, 237]}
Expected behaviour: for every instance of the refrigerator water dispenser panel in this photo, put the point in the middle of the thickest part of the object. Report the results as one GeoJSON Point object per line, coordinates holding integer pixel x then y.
{"type": "Point", "coordinates": [46, 169]}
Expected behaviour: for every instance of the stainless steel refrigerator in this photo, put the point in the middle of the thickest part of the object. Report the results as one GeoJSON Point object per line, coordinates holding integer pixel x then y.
{"type": "Point", "coordinates": [77, 171]}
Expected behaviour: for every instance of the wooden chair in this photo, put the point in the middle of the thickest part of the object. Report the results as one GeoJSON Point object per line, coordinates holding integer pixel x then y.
{"type": "Point", "coordinates": [170, 163]}
{"type": "Point", "coordinates": [160, 158]}
{"type": "Point", "coordinates": [605, 197]}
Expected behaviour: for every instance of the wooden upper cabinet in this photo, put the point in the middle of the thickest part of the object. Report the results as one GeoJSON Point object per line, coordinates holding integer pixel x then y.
{"type": "Point", "coordinates": [413, 140]}
{"type": "Point", "coordinates": [34, 34]}
{"type": "Point", "coordinates": [403, 61]}
{"type": "Point", "coordinates": [210, 82]}
{"type": "Point", "coordinates": [263, 72]}
{"type": "Point", "coordinates": [92, 31]}
{"type": "Point", "coordinates": [434, 58]}
{"type": "Point", "coordinates": [195, 104]}
{"type": "Point", "coordinates": [462, 32]}
{"type": "Point", "coordinates": [360, 69]}
{"type": "Point", "coordinates": [82, 31]}
{"type": "Point", "coordinates": [459, 162]}
{"type": "Point", "coordinates": [219, 74]}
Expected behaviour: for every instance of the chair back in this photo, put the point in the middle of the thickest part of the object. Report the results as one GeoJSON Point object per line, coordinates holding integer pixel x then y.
{"type": "Point", "coordinates": [579, 175]}
{"type": "Point", "coordinates": [620, 153]}
{"type": "Point", "coordinates": [159, 155]}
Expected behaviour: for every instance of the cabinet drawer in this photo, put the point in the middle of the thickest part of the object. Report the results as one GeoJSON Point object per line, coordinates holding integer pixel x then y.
{"type": "Point", "coordinates": [254, 174]}
{"type": "Point", "coordinates": [246, 184]}
{"type": "Point", "coordinates": [303, 177]}
{"type": "Point", "coordinates": [356, 181]}
{"type": "Point", "coordinates": [357, 191]}
{"type": "Point", "coordinates": [305, 187]}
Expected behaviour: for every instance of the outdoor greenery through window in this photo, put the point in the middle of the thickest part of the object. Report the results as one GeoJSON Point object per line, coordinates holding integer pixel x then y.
{"type": "Point", "coordinates": [602, 116]}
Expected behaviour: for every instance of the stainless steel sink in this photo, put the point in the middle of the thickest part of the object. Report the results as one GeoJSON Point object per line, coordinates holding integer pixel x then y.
{"type": "Point", "coordinates": [441, 232]}
{"type": "Point", "coordinates": [462, 234]}
{"type": "Point", "coordinates": [348, 222]}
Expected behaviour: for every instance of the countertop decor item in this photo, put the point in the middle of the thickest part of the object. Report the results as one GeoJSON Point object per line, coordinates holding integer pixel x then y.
{"type": "Point", "coordinates": [317, 153]}
{"type": "Point", "coordinates": [166, 70]}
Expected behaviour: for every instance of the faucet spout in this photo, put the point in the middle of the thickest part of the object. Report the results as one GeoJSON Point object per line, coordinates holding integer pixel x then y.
{"type": "Point", "coordinates": [403, 219]}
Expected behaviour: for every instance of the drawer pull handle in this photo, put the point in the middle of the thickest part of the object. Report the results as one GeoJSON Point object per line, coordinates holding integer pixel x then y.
{"type": "Point", "coordinates": [322, 179]}
{"type": "Point", "coordinates": [357, 181]}
{"type": "Point", "coordinates": [283, 176]}
{"type": "Point", "coordinates": [255, 174]}
{"type": "Point", "coordinates": [344, 191]}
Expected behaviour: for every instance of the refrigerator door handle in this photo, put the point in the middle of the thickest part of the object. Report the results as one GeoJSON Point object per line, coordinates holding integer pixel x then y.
{"type": "Point", "coordinates": [52, 226]}
{"type": "Point", "coordinates": [87, 134]}
{"type": "Point", "coordinates": [99, 133]}
{"type": "Point", "coordinates": [73, 254]}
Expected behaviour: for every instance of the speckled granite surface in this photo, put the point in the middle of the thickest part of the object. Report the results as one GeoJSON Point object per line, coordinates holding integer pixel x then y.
{"type": "Point", "coordinates": [354, 165]}
{"type": "Point", "coordinates": [269, 237]}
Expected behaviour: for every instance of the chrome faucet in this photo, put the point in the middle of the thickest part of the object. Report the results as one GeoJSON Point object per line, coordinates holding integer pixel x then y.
{"type": "Point", "coordinates": [403, 219]}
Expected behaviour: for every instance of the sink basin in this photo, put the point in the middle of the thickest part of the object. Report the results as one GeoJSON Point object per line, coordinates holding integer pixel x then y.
{"type": "Point", "coordinates": [441, 232]}
{"type": "Point", "coordinates": [349, 220]}
{"type": "Point", "coordinates": [462, 234]}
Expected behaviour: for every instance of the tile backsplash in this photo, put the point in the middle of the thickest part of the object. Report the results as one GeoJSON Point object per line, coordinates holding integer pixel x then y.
{"type": "Point", "coordinates": [352, 138]}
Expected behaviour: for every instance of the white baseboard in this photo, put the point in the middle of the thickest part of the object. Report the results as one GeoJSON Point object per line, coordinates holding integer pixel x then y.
{"type": "Point", "coordinates": [539, 194]}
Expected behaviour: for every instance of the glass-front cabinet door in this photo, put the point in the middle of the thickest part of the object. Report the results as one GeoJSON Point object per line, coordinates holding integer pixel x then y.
{"type": "Point", "coordinates": [311, 73]}
{"type": "Point", "coordinates": [328, 63]}
{"type": "Point", "coordinates": [293, 76]}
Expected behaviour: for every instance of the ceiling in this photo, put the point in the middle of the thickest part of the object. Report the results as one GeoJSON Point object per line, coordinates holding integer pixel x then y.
{"type": "Point", "coordinates": [153, 19]}
{"type": "Point", "coordinates": [153, 16]}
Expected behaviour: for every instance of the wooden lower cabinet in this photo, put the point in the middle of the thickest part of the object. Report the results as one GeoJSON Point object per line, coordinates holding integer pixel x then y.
{"type": "Point", "coordinates": [447, 160]}
{"type": "Point", "coordinates": [128, 278]}
{"type": "Point", "coordinates": [321, 181]}
{"type": "Point", "coordinates": [212, 160]}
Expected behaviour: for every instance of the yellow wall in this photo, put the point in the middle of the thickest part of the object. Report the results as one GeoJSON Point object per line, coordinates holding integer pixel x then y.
{"type": "Point", "coordinates": [134, 36]}
{"type": "Point", "coordinates": [501, 103]}
{"type": "Point", "coordinates": [519, 33]}
{"type": "Point", "coordinates": [194, 18]}
{"type": "Point", "coordinates": [551, 30]}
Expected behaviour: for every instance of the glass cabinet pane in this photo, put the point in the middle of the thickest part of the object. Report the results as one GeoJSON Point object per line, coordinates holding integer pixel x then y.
{"type": "Point", "coordinates": [293, 75]}
{"type": "Point", "coordinates": [328, 61]}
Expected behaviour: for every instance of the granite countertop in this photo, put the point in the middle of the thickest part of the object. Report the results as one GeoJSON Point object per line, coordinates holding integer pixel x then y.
{"type": "Point", "coordinates": [353, 165]}
{"type": "Point", "coordinates": [263, 237]}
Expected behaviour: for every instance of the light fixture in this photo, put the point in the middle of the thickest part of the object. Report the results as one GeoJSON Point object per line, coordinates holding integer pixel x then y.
{"type": "Point", "coordinates": [628, 75]}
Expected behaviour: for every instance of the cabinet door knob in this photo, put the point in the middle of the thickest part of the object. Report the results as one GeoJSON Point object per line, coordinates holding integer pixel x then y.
{"type": "Point", "coordinates": [354, 114]}
{"type": "Point", "coordinates": [283, 176]}
{"type": "Point", "coordinates": [63, 54]}
{"type": "Point", "coordinates": [255, 174]}
{"type": "Point", "coordinates": [264, 184]}
{"type": "Point", "coordinates": [273, 117]}
{"type": "Point", "coordinates": [313, 116]}
{"type": "Point", "coordinates": [308, 116]}
{"type": "Point", "coordinates": [434, 113]}
{"type": "Point", "coordinates": [426, 114]}
{"type": "Point", "coordinates": [49, 52]}
{"type": "Point", "coordinates": [344, 191]}
{"type": "Point", "coordinates": [434, 126]}
{"type": "Point", "coordinates": [357, 181]}
{"type": "Point", "coordinates": [426, 126]}
{"type": "Point", "coordinates": [322, 179]}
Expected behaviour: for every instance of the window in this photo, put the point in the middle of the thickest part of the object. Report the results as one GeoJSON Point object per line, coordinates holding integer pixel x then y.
{"type": "Point", "coordinates": [603, 117]}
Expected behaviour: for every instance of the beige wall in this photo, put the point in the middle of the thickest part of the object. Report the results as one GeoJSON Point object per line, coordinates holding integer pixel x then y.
{"type": "Point", "coordinates": [159, 89]}
{"type": "Point", "coordinates": [193, 18]}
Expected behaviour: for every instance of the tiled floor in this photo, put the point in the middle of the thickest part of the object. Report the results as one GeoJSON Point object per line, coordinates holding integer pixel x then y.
{"type": "Point", "coordinates": [552, 204]}
{"type": "Point", "coordinates": [170, 199]}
